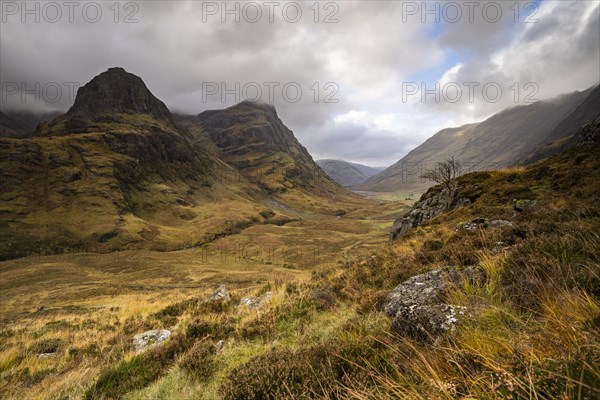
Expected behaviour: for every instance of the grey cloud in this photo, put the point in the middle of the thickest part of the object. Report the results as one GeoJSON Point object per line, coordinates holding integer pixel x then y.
{"type": "Point", "coordinates": [368, 54]}
{"type": "Point", "coordinates": [557, 55]}
{"type": "Point", "coordinates": [357, 143]}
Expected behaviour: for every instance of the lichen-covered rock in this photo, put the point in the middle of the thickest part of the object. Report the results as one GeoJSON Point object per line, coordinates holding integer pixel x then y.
{"type": "Point", "coordinates": [500, 223]}
{"type": "Point", "coordinates": [427, 322]}
{"type": "Point", "coordinates": [462, 202]}
{"type": "Point", "coordinates": [221, 294]}
{"type": "Point", "coordinates": [418, 306]}
{"type": "Point", "coordinates": [478, 223]}
{"type": "Point", "coordinates": [524, 205]}
{"type": "Point", "coordinates": [145, 340]}
{"type": "Point", "coordinates": [482, 223]}
{"type": "Point", "coordinates": [255, 302]}
{"type": "Point", "coordinates": [429, 206]}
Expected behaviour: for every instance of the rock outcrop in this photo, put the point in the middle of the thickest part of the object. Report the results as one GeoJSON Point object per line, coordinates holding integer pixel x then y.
{"type": "Point", "coordinates": [429, 206]}
{"type": "Point", "coordinates": [590, 133]}
{"type": "Point", "coordinates": [117, 91]}
{"type": "Point", "coordinates": [418, 306]}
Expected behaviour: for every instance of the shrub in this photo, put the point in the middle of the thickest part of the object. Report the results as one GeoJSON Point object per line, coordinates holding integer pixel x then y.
{"type": "Point", "coordinates": [91, 350]}
{"type": "Point", "coordinates": [323, 298]}
{"type": "Point", "coordinates": [138, 372]}
{"type": "Point", "coordinates": [215, 307]}
{"type": "Point", "coordinates": [201, 328]}
{"type": "Point", "coordinates": [320, 371]}
{"type": "Point", "coordinates": [136, 324]}
{"type": "Point", "coordinates": [433, 244]}
{"type": "Point", "coordinates": [46, 346]}
{"type": "Point", "coordinates": [262, 325]}
{"type": "Point", "coordinates": [266, 214]}
{"type": "Point", "coordinates": [199, 361]}
{"type": "Point", "coordinates": [371, 301]}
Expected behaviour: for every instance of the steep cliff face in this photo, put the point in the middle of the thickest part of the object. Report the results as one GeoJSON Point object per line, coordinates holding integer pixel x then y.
{"type": "Point", "coordinates": [252, 137]}
{"type": "Point", "coordinates": [117, 91]}
{"type": "Point", "coordinates": [568, 132]}
{"type": "Point", "coordinates": [115, 100]}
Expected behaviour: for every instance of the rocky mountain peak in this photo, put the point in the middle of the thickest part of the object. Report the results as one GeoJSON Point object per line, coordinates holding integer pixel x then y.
{"type": "Point", "coordinates": [259, 105]}
{"type": "Point", "coordinates": [117, 91]}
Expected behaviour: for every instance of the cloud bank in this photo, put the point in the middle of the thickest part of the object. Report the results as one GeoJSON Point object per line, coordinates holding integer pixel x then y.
{"type": "Point", "coordinates": [341, 74]}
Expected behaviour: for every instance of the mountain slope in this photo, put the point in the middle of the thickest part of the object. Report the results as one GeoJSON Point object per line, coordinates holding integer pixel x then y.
{"type": "Point", "coordinates": [497, 142]}
{"type": "Point", "coordinates": [115, 171]}
{"type": "Point", "coordinates": [119, 171]}
{"type": "Point", "coordinates": [566, 134]}
{"type": "Point", "coordinates": [251, 137]}
{"type": "Point", "coordinates": [346, 173]}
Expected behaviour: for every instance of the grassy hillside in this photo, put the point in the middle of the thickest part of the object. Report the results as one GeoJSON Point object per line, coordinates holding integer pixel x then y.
{"type": "Point", "coordinates": [251, 137]}
{"type": "Point", "coordinates": [500, 141]}
{"type": "Point", "coordinates": [118, 171]}
{"type": "Point", "coordinates": [115, 188]}
{"type": "Point", "coordinates": [531, 330]}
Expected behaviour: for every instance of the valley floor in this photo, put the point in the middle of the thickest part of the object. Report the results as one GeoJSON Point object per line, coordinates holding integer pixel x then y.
{"type": "Point", "coordinates": [91, 299]}
{"type": "Point", "coordinates": [304, 313]}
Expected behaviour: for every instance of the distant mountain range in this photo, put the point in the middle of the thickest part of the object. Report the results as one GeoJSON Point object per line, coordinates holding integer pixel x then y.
{"type": "Point", "coordinates": [22, 124]}
{"type": "Point", "coordinates": [119, 170]}
{"type": "Point", "coordinates": [514, 136]}
{"type": "Point", "coordinates": [346, 173]}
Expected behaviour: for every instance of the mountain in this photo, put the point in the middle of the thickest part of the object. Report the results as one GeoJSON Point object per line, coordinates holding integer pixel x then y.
{"type": "Point", "coordinates": [500, 141]}
{"type": "Point", "coordinates": [119, 171]}
{"type": "Point", "coordinates": [116, 171]}
{"type": "Point", "coordinates": [567, 132]}
{"type": "Point", "coordinates": [346, 173]}
{"type": "Point", "coordinates": [22, 124]}
{"type": "Point", "coordinates": [251, 137]}
{"type": "Point", "coordinates": [112, 98]}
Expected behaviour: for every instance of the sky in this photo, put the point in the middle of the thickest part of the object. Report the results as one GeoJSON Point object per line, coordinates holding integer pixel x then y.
{"type": "Point", "coordinates": [363, 81]}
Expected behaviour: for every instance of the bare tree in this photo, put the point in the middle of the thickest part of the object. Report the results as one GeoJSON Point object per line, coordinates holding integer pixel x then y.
{"type": "Point", "coordinates": [446, 173]}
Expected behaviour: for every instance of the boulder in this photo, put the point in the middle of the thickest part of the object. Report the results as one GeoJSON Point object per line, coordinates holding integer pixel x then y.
{"type": "Point", "coordinates": [500, 223]}
{"type": "Point", "coordinates": [481, 223]}
{"type": "Point", "coordinates": [429, 206]}
{"type": "Point", "coordinates": [418, 306]}
{"type": "Point", "coordinates": [221, 294]}
{"type": "Point", "coordinates": [143, 341]}
{"type": "Point", "coordinates": [500, 247]}
{"type": "Point", "coordinates": [46, 355]}
{"type": "Point", "coordinates": [462, 202]}
{"type": "Point", "coordinates": [255, 302]}
{"type": "Point", "coordinates": [427, 322]}
{"type": "Point", "coordinates": [524, 205]}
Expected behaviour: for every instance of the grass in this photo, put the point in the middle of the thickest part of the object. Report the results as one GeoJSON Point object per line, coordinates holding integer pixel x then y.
{"type": "Point", "coordinates": [532, 330]}
{"type": "Point", "coordinates": [95, 302]}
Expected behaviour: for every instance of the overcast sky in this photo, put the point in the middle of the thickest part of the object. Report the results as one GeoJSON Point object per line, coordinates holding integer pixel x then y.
{"type": "Point", "coordinates": [360, 66]}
